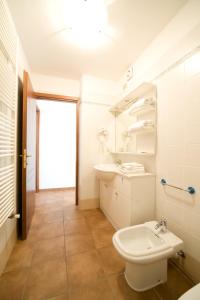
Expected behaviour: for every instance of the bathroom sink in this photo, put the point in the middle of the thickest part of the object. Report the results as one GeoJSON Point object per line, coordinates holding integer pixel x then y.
{"type": "Point", "coordinates": [108, 171]}
{"type": "Point", "coordinates": [105, 172]}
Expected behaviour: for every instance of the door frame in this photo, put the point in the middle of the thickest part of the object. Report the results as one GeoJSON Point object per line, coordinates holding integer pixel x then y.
{"type": "Point", "coordinates": [69, 99]}
{"type": "Point", "coordinates": [37, 148]}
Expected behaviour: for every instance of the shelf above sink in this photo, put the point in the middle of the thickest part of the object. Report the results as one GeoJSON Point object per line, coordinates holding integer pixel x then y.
{"type": "Point", "coordinates": [134, 153]}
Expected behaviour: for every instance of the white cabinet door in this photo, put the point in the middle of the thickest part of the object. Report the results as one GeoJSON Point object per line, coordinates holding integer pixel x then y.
{"type": "Point", "coordinates": [105, 194]}
{"type": "Point", "coordinates": [128, 202]}
{"type": "Point", "coordinates": [123, 208]}
{"type": "Point", "coordinates": [122, 199]}
{"type": "Point", "coordinates": [108, 201]}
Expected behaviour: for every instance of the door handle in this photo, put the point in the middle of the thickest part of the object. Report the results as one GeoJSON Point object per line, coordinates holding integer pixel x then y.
{"type": "Point", "coordinates": [25, 156]}
{"type": "Point", "coordinates": [28, 155]}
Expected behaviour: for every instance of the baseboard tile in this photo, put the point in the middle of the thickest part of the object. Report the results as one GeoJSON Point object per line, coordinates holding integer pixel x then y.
{"type": "Point", "coordinates": [57, 189]}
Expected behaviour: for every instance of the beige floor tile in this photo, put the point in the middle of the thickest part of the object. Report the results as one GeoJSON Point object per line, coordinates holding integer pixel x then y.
{"type": "Point", "coordinates": [99, 290]}
{"type": "Point", "coordinates": [38, 265]}
{"type": "Point", "coordinates": [50, 217]}
{"type": "Point", "coordinates": [111, 261]}
{"type": "Point", "coordinates": [12, 284]}
{"type": "Point", "coordinates": [84, 268]}
{"type": "Point", "coordinates": [76, 226]}
{"type": "Point", "coordinates": [39, 201]}
{"type": "Point", "coordinates": [73, 213]}
{"type": "Point", "coordinates": [97, 221]}
{"type": "Point", "coordinates": [49, 249]}
{"type": "Point", "coordinates": [103, 236]}
{"type": "Point", "coordinates": [46, 231]}
{"type": "Point", "coordinates": [122, 291]}
{"type": "Point", "coordinates": [46, 280]}
{"type": "Point", "coordinates": [61, 297]}
{"type": "Point", "coordinates": [78, 243]}
{"type": "Point", "coordinates": [92, 212]}
{"type": "Point", "coordinates": [21, 257]}
{"type": "Point", "coordinates": [69, 202]}
{"type": "Point", "coordinates": [49, 207]}
{"type": "Point", "coordinates": [58, 202]}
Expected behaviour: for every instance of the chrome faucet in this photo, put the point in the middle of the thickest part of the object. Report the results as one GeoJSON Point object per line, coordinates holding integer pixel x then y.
{"type": "Point", "coordinates": [162, 225]}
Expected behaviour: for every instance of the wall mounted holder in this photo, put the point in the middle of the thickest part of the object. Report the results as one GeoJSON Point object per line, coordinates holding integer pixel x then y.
{"type": "Point", "coordinates": [103, 132]}
{"type": "Point", "coordinates": [191, 190]}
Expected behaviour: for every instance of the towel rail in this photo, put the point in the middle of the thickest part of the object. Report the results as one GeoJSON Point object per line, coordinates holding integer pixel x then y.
{"type": "Point", "coordinates": [191, 190]}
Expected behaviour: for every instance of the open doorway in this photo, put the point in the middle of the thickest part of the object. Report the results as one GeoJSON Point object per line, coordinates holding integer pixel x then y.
{"type": "Point", "coordinates": [57, 146]}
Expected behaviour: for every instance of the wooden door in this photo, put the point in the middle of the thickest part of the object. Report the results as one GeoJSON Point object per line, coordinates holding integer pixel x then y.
{"type": "Point", "coordinates": [28, 155]}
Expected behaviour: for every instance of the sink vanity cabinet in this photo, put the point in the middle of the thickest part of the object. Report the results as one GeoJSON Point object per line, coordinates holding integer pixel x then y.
{"type": "Point", "coordinates": [128, 200]}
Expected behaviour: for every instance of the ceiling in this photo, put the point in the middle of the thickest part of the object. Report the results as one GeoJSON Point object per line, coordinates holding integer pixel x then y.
{"type": "Point", "coordinates": [134, 23]}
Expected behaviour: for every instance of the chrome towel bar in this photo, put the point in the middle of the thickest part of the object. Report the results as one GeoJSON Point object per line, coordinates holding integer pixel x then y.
{"type": "Point", "coordinates": [191, 190]}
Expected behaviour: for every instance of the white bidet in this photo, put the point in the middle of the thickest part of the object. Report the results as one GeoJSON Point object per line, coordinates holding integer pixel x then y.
{"type": "Point", "coordinates": [145, 252]}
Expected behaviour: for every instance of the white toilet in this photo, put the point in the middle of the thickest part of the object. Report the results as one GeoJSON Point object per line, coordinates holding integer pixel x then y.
{"type": "Point", "coordinates": [146, 251]}
{"type": "Point", "coordinates": [192, 294]}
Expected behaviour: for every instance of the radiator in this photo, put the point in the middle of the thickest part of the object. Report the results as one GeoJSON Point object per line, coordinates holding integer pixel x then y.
{"type": "Point", "coordinates": [8, 101]}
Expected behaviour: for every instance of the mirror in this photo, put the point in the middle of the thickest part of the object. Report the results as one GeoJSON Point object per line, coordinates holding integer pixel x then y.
{"type": "Point", "coordinates": [135, 126]}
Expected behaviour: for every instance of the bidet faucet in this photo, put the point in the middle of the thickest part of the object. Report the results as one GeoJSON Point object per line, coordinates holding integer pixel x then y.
{"type": "Point", "coordinates": [162, 225]}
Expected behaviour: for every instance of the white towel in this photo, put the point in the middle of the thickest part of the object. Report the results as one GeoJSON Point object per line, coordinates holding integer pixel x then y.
{"type": "Point", "coordinates": [143, 103]}
{"type": "Point", "coordinates": [133, 164]}
{"type": "Point", "coordinates": [141, 125]}
{"type": "Point", "coordinates": [133, 170]}
{"type": "Point", "coordinates": [132, 167]}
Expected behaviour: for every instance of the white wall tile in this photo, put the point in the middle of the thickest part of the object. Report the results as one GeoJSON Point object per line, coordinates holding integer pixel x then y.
{"type": "Point", "coordinates": [178, 157]}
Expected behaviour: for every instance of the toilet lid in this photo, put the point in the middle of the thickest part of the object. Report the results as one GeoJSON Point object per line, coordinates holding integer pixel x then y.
{"type": "Point", "coordinates": [192, 294]}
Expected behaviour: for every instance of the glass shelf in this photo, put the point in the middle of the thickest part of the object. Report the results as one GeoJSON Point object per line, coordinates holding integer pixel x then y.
{"type": "Point", "coordinates": [134, 153]}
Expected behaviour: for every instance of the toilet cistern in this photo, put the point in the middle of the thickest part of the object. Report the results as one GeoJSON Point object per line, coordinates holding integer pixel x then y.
{"type": "Point", "coordinates": [161, 225]}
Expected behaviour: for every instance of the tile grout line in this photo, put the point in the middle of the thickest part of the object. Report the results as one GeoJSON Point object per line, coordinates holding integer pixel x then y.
{"type": "Point", "coordinates": [65, 253]}
{"type": "Point", "coordinates": [29, 271]}
{"type": "Point", "coordinates": [157, 294]}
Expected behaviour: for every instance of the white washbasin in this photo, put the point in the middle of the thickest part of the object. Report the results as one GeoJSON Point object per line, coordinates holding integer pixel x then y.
{"type": "Point", "coordinates": [105, 172]}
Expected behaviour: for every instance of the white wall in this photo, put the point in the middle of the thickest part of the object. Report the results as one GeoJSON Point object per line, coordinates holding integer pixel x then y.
{"type": "Point", "coordinates": [96, 98]}
{"type": "Point", "coordinates": [178, 37]}
{"type": "Point", "coordinates": [57, 151]}
{"type": "Point", "coordinates": [55, 85]}
{"type": "Point", "coordinates": [23, 64]}
{"type": "Point", "coordinates": [178, 145]}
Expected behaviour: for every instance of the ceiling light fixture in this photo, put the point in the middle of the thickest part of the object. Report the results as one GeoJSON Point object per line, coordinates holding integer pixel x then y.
{"type": "Point", "coordinates": [87, 22]}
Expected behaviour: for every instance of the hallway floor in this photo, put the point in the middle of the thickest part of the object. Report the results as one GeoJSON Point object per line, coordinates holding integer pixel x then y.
{"type": "Point", "coordinates": [69, 256]}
